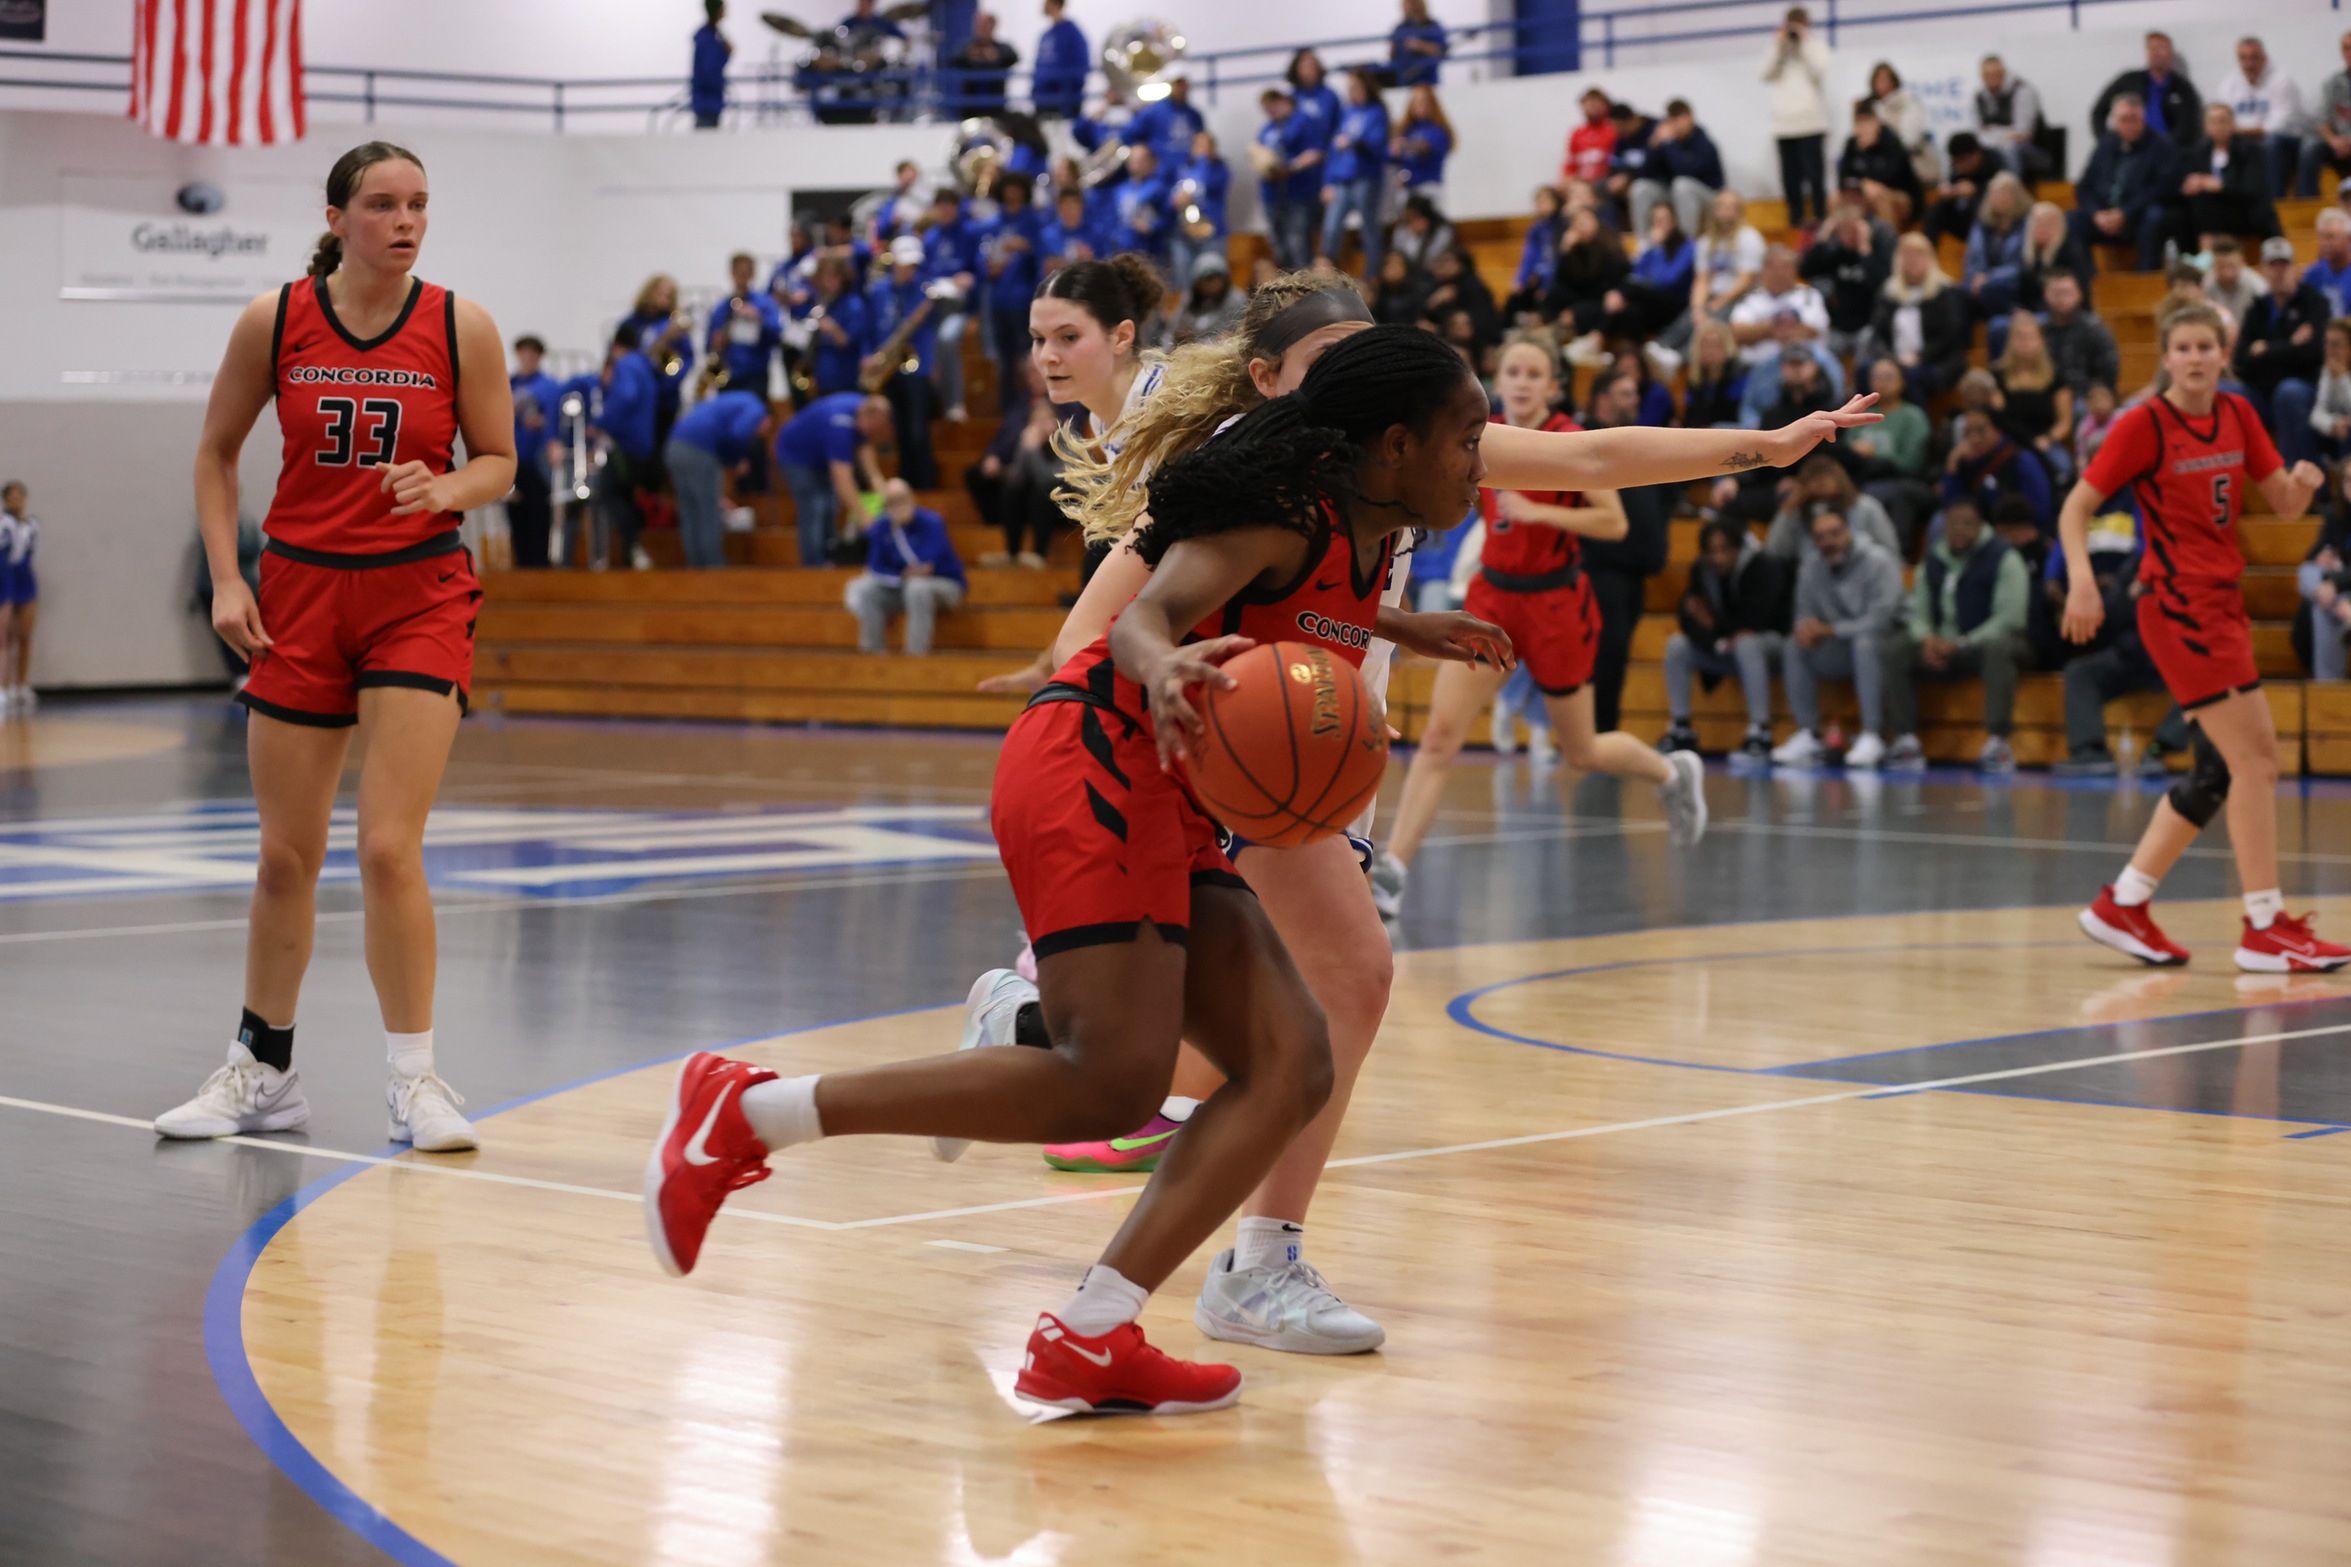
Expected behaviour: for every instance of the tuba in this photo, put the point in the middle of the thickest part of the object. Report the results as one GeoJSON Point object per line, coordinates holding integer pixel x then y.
{"type": "Point", "coordinates": [1138, 60]}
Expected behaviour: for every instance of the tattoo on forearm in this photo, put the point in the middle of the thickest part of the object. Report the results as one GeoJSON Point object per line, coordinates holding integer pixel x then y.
{"type": "Point", "coordinates": [1739, 460]}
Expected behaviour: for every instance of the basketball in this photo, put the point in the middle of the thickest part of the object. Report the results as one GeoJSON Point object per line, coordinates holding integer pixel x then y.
{"type": "Point", "coordinates": [1294, 751]}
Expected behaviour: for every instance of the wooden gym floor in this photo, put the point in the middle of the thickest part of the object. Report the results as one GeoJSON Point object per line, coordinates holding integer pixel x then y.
{"type": "Point", "coordinates": [1816, 1197]}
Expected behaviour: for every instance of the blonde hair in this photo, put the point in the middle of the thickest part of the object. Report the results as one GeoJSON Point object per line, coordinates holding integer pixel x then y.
{"type": "Point", "coordinates": [652, 286]}
{"type": "Point", "coordinates": [2031, 372]}
{"type": "Point", "coordinates": [1203, 385]}
{"type": "Point", "coordinates": [1537, 339]}
{"type": "Point", "coordinates": [2043, 255]}
{"type": "Point", "coordinates": [2006, 193]}
{"type": "Point", "coordinates": [1934, 283]}
{"type": "Point", "coordinates": [2197, 314]}
{"type": "Point", "coordinates": [1711, 227]}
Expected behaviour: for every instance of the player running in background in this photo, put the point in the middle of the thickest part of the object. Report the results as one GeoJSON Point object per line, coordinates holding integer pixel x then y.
{"type": "Point", "coordinates": [2186, 455]}
{"type": "Point", "coordinates": [364, 620]}
{"type": "Point", "coordinates": [1530, 583]}
{"type": "Point", "coordinates": [20, 600]}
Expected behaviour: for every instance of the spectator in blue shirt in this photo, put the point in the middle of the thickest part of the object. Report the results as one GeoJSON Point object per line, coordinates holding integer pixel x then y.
{"type": "Point", "coordinates": [1317, 104]}
{"type": "Point", "coordinates": [825, 449]}
{"type": "Point", "coordinates": [667, 340]}
{"type": "Point", "coordinates": [1013, 257]}
{"type": "Point", "coordinates": [1139, 205]}
{"type": "Point", "coordinates": [1356, 171]}
{"type": "Point", "coordinates": [1196, 203]}
{"type": "Point", "coordinates": [707, 94]}
{"type": "Point", "coordinates": [950, 255]}
{"type": "Point", "coordinates": [1422, 143]}
{"type": "Point", "coordinates": [627, 417]}
{"type": "Point", "coordinates": [1067, 236]}
{"type": "Point", "coordinates": [1416, 47]}
{"type": "Point", "coordinates": [537, 397]}
{"type": "Point", "coordinates": [910, 565]}
{"type": "Point", "coordinates": [892, 300]}
{"type": "Point", "coordinates": [714, 437]}
{"type": "Point", "coordinates": [2330, 274]}
{"type": "Point", "coordinates": [1168, 125]}
{"type": "Point", "coordinates": [1289, 178]}
{"type": "Point", "coordinates": [1538, 257]}
{"type": "Point", "coordinates": [746, 328]}
{"type": "Point", "coordinates": [1059, 81]}
{"type": "Point", "coordinates": [839, 340]}
{"type": "Point", "coordinates": [1657, 291]}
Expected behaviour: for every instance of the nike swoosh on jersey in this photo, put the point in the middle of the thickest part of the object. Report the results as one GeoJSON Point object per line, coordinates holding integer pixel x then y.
{"type": "Point", "coordinates": [1130, 1144]}
{"type": "Point", "coordinates": [698, 1150]}
{"type": "Point", "coordinates": [1326, 587]}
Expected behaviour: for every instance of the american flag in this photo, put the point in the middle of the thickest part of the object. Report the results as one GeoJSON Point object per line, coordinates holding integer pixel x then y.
{"type": "Point", "coordinates": [222, 72]}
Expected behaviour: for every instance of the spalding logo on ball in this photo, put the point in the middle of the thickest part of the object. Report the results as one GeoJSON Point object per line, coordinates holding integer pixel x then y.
{"type": "Point", "coordinates": [1286, 761]}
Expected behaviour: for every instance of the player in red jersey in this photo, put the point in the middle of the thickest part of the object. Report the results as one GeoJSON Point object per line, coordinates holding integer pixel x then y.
{"type": "Point", "coordinates": [1530, 583]}
{"type": "Point", "coordinates": [2186, 456]}
{"type": "Point", "coordinates": [364, 620]}
{"type": "Point", "coordinates": [1143, 933]}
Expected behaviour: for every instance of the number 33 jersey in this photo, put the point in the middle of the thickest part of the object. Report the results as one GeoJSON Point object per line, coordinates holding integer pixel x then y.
{"type": "Point", "coordinates": [350, 407]}
{"type": "Point", "coordinates": [2188, 478]}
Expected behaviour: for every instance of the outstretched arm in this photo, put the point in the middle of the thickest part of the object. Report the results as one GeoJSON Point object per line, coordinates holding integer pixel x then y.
{"type": "Point", "coordinates": [1623, 458]}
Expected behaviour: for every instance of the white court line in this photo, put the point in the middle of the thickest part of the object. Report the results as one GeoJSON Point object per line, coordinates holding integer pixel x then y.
{"type": "Point", "coordinates": [1690, 1118]}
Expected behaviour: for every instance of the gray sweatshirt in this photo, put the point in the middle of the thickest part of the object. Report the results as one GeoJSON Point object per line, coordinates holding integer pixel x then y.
{"type": "Point", "coordinates": [1863, 597]}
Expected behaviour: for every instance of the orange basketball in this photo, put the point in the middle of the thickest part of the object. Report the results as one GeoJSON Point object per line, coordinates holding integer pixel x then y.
{"type": "Point", "coordinates": [1294, 752]}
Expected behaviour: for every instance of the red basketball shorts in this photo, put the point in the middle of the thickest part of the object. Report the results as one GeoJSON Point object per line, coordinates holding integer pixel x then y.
{"type": "Point", "coordinates": [1556, 631]}
{"type": "Point", "coordinates": [1095, 837]}
{"type": "Point", "coordinates": [338, 629]}
{"type": "Point", "coordinates": [2200, 638]}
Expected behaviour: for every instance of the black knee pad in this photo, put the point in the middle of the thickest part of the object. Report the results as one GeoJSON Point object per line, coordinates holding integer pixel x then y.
{"type": "Point", "coordinates": [2200, 795]}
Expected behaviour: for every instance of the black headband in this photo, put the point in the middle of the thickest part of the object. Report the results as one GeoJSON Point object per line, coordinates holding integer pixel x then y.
{"type": "Point", "coordinates": [1304, 317]}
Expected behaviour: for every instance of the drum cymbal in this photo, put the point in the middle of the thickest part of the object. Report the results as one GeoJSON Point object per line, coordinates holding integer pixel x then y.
{"type": "Point", "coordinates": [789, 26]}
{"type": "Point", "coordinates": [907, 11]}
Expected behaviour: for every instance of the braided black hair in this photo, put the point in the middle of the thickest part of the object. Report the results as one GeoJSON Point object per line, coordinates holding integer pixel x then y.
{"type": "Point", "coordinates": [1289, 458]}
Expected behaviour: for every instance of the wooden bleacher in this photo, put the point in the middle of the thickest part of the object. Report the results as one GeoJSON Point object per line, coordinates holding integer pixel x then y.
{"type": "Point", "coordinates": [772, 643]}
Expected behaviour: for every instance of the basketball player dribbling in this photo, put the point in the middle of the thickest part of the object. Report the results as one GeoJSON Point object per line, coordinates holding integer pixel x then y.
{"type": "Point", "coordinates": [1530, 582]}
{"type": "Point", "coordinates": [364, 620]}
{"type": "Point", "coordinates": [2186, 456]}
{"type": "Point", "coordinates": [1142, 931]}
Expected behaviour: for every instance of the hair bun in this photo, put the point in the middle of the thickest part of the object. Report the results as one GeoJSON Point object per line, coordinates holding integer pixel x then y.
{"type": "Point", "coordinates": [1146, 291]}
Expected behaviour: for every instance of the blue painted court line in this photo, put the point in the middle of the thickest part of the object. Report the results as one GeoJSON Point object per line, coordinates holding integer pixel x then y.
{"type": "Point", "coordinates": [2320, 1131]}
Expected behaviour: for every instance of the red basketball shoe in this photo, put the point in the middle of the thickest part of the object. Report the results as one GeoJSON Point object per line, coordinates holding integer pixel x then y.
{"type": "Point", "coordinates": [707, 1151]}
{"type": "Point", "coordinates": [2288, 947]}
{"type": "Point", "coordinates": [1117, 1374]}
{"type": "Point", "coordinates": [2132, 930]}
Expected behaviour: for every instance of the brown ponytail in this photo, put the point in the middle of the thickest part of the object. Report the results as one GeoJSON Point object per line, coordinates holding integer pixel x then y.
{"type": "Point", "coordinates": [1124, 288]}
{"type": "Point", "coordinates": [343, 183]}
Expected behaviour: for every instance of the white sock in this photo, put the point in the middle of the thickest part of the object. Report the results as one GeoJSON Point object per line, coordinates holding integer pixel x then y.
{"type": "Point", "coordinates": [782, 1111]}
{"type": "Point", "coordinates": [2263, 907]}
{"type": "Point", "coordinates": [411, 1055]}
{"type": "Point", "coordinates": [1176, 1108]}
{"type": "Point", "coordinates": [1105, 1300]}
{"type": "Point", "coordinates": [1267, 1243]}
{"type": "Point", "coordinates": [2133, 887]}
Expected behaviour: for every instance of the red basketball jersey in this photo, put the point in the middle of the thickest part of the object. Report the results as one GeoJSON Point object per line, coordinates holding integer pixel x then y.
{"type": "Point", "coordinates": [2188, 477]}
{"type": "Point", "coordinates": [349, 407]}
{"type": "Point", "coordinates": [1529, 549]}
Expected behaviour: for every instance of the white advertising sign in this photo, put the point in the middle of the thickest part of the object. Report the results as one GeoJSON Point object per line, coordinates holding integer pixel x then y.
{"type": "Point", "coordinates": [154, 238]}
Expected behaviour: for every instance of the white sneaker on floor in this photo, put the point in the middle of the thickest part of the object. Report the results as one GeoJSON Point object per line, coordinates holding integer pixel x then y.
{"type": "Point", "coordinates": [639, 560]}
{"type": "Point", "coordinates": [1906, 755]}
{"type": "Point", "coordinates": [959, 414]}
{"type": "Point", "coordinates": [242, 1097]}
{"type": "Point", "coordinates": [1998, 756]}
{"type": "Point", "coordinates": [1864, 754]}
{"type": "Point", "coordinates": [1388, 875]}
{"type": "Point", "coordinates": [424, 1114]}
{"type": "Point", "coordinates": [1684, 798]}
{"type": "Point", "coordinates": [989, 1013]}
{"type": "Point", "coordinates": [1288, 1308]}
{"type": "Point", "coordinates": [1542, 750]}
{"type": "Point", "coordinates": [1801, 749]}
{"type": "Point", "coordinates": [1505, 734]}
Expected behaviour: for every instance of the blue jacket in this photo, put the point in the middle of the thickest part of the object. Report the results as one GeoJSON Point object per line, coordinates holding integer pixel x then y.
{"type": "Point", "coordinates": [1538, 258]}
{"type": "Point", "coordinates": [1058, 239]}
{"type": "Point", "coordinates": [888, 302]}
{"type": "Point", "coordinates": [1288, 138]}
{"type": "Point", "coordinates": [1139, 214]}
{"type": "Point", "coordinates": [949, 248]}
{"type": "Point", "coordinates": [1211, 180]}
{"type": "Point", "coordinates": [726, 426]}
{"type": "Point", "coordinates": [1670, 275]}
{"type": "Point", "coordinates": [837, 363]}
{"type": "Point", "coordinates": [1320, 107]}
{"type": "Point", "coordinates": [1998, 257]}
{"type": "Point", "coordinates": [1359, 150]}
{"type": "Point", "coordinates": [1062, 62]}
{"type": "Point", "coordinates": [2009, 470]}
{"type": "Point", "coordinates": [2129, 178]}
{"type": "Point", "coordinates": [746, 361]}
{"type": "Point", "coordinates": [1013, 272]}
{"type": "Point", "coordinates": [1685, 157]}
{"type": "Point", "coordinates": [629, 403]}
{"type": "Point", "coordinates": [649, 328]}
{"type": "Point", "coordinates": [824, 432]}
{"type": "Point", "coordinates": [2334, 282]}
{"type": "Point", "coordinates": [709, 91]}
{"type": "Point", "coordinates": [1426, 147]}
{"type": "Point", "coordinates": [1412, 69]}
{"type": "Point", "coordinates": [1167, 128]}
{"type": "Point", "coordinates": [892, 547]}
{"type": "Point", "coordinates": [541, 394]}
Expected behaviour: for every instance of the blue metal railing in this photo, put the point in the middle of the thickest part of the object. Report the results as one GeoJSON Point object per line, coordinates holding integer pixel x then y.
{"type": "Point", "coordinates": [771, 93]}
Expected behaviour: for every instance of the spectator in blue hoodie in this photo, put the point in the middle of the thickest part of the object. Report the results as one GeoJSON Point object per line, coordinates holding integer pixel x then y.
{"type": "Point", "coordinates": [1317, 104]}
{"type": "Point", "coordinates": [666, 337]}
{"type": "Point", "coordinates": [1289, 185]}
{"type": "Point", "coordinates": [1681, 167]}
{"type": "Point", "coordinates": [1167, 125]}
{"type": "Point", "coordinates": [1416, 46]}
{"type": "Point", "coordinates": [892, 300]}
{"type": "Point", "coordinates": [1657, 291]}
{"type": "Point", "coordinates": [837, 343]}
{"type": "Point", "coordinates": [910, 566]}
{"type": "Point", "coordinates": [1987, 468]}
{"type": "Point", "coordinates": [1197, 190]}
{"type": "Point", "coordinates": [1355, 173]}
{"type": "Point", "coordinates": [626, 418]}
{"type": "Point", "coordinates": [824, 452]}
{"type": "Point", "coordinates": [746, 328]}
{"type": "Point", "coordinates": [538, 397]}
{"type": "Point", "coordinates": [1012, 255]}
{"type": "Point", "coordinates": [951, 255]}
{"type": "Point", "coordinates": [1538, 258]}
{"type": "Point", "coordinates": [715, 437]}
{"type": "Point", "coordinates": [1066, 236]}
{"type": "Point", "coordinates": [1058, 84]}
{"type": "Point", "coordinates": [707, 93]}
{"type": "Point", "coordinates": [1421, 144]}
{"type": "Point", "coordinates": [1140, 216]}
